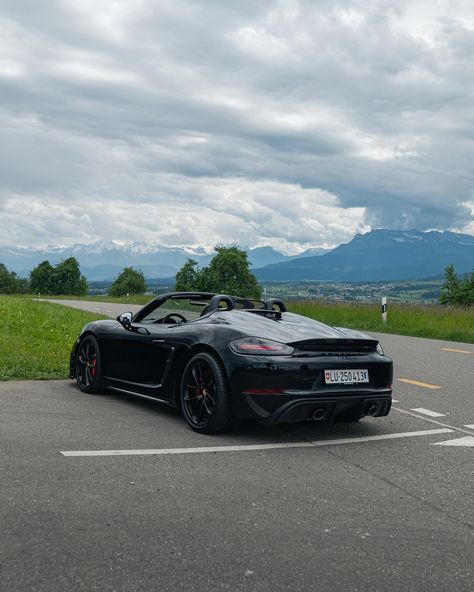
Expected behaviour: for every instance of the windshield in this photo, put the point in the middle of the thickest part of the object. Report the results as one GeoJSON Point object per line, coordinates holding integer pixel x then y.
{"type": "Point", "coordinates": [176, 309]}
{"type": "Point", "coordinates": [182, 308]}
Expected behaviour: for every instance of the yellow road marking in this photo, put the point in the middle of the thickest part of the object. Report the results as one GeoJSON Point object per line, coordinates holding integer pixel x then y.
{"type": "Point", "coordinates": [417, 383]}
{"type": "Point", "coordinates": [459, 351]}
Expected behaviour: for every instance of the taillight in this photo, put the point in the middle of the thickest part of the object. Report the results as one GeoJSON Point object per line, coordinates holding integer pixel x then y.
{"type": "Point", "coordinates": [260, 347]}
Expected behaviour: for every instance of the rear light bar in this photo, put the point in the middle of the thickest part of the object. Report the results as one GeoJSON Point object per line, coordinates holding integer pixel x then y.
{"type": "Point", "coordinates": [260, 346]}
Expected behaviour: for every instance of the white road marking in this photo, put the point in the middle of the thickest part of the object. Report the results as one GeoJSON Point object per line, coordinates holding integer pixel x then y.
{"type": "Point", "coordinates": [435, 421]}
{"type": "Point", "coordinates": [464, 441]}
{"type": "Point", "coordinates": [380, 437]}
{"type": "Point", "coordinates": [245, 447]}
{"type": "Point", "coordinates": [470, 426]}
{"type": "Point", "coordinates": [428, 412]}
{"type": "Point", "coordinates": [193, 450]}
{"type": "Point", "coordinates": [395, 401]}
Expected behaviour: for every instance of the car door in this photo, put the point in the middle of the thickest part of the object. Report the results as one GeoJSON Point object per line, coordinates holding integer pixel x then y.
{"type": "Point", "coordinates": [137, 357]}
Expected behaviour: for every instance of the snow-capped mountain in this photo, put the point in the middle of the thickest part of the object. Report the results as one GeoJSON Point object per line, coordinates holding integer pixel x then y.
{"type": "Point", "coordinates": [103, 261]}
{"type": "Point", "coordinates": [381, 255]}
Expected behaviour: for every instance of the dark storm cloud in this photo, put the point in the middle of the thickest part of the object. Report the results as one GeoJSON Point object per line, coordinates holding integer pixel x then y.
{"type": "Point", "coordinates": [360, 112]}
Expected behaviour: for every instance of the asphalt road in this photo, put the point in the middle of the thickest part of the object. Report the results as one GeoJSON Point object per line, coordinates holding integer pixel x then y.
{"type": "Point", "coordinates": [385, 504]}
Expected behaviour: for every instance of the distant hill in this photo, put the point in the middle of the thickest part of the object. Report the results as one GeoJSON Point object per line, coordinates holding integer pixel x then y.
{"type": "Point", "coordinates": [381, 255]}
{"type": "Point", "coordinates": [103, 261]}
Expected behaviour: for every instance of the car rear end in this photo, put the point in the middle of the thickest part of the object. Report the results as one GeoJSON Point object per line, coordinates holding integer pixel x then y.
{"type": "Point", "coordinates": [322, 380]}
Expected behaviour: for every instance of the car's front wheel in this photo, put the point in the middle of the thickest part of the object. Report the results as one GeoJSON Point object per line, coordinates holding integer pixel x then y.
{"type": "Point", "coordinates": [205, 394]}
{"type": "Point", "coordinates": [88, 368]}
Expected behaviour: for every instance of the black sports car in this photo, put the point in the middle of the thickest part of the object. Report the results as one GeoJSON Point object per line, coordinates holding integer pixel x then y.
{"type": "Point", "coordinates": [216, 357]}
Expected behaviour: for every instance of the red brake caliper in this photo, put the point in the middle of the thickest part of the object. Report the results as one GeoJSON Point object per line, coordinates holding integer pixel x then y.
{"type": "Point", "coordinates": [93, 363]}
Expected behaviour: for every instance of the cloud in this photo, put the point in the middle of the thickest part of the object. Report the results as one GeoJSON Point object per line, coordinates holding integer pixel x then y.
{"type": "Point", "coordinates": [287, 123]}
{"type": "Point", "coordinates": [191, 212]}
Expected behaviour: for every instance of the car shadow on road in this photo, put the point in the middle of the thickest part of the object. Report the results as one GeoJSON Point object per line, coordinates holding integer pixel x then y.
{"type": "Point", "coordinates": [248, 431]}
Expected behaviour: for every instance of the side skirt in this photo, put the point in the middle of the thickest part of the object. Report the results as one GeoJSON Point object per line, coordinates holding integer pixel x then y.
{"type": "Point", "coordinates": [140, 395]}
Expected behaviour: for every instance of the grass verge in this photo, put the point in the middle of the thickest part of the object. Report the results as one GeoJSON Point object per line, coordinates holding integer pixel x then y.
{"type": "Point", "coordinates": [37, 337]}
{"type": "Point", "coordinates": [436, 322]}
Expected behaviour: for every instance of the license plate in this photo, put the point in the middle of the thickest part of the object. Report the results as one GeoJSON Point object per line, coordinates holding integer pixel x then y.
{"type": "Point", "coordinates": [346, 376]}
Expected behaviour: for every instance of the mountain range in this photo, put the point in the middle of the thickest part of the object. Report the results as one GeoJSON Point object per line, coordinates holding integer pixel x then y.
{"type": "Point", "coordinates": [373, 256]}
{"type": "Point", "coordinates": [104, 261]}
{"type": "Point", "coordinates": [381, 255]}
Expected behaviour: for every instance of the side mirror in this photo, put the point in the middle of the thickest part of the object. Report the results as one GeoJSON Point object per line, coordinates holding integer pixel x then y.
{"type": "Point", "coordinates": [125, 319]}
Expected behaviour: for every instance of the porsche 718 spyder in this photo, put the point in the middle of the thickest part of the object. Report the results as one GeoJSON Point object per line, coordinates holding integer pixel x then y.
{"type": "Point", "coordinates": [216, 357]}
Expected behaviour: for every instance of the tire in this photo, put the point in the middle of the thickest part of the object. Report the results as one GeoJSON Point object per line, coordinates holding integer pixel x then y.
{"type": "Point", "coordinates": [87, 366]}
{"type": "Point", "coordinates": [204, 395]}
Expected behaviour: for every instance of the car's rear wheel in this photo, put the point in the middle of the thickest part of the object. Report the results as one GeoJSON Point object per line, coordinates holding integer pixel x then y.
{"type": "Point", "coordinates": [204, 394]}
{"type": "Point", "coordinates": [88, 368]}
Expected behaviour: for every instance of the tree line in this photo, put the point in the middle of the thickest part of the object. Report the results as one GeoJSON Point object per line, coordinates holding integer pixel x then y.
{"type": "Point", "coordinates": [65, 278]}
{"type": "Point", "coordinates": [227, 273]}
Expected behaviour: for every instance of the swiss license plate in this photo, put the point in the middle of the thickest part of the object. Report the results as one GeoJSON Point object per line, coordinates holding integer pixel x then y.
{"type": "Point", "coordinates": [346, 376]}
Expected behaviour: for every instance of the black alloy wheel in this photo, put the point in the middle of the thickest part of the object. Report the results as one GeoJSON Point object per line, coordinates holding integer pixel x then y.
{"type": "Point", "coordinates": [88, 370]}
{"type": "Point", "coordinates": [205, 395]}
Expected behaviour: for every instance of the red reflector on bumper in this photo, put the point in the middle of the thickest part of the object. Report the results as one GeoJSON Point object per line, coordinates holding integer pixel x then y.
{"type": "Point", "coordinates": [267, 391]}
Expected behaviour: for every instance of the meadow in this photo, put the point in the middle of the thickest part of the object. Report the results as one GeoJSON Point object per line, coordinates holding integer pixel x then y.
{"type": "Point", "coordinates": [37, 337]}
{"type": "Point", "coordinates": [451, 323]}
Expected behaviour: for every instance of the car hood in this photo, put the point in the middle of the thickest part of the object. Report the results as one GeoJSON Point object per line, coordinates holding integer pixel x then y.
{"type": "Point", "coordinates": [291, 328]}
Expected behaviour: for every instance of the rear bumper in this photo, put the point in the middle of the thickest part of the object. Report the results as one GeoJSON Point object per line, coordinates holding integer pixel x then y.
{"type": "Point", "coordinates": [329, 409]}
{"type": "Point", "coordinates": [276, 390]}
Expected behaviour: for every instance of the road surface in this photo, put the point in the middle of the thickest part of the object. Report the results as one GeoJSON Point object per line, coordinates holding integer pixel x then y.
{"type": "Point", "coordinates": [113, 493]}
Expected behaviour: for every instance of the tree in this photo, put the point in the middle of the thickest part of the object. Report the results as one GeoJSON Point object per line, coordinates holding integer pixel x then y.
{"type": "Point", "coordinates": [227, 273]}
{"type": "Point", "coordinates": [23, 286]}
{"type": "Point", "coordinates": [41, 279]}
{"type": "Point", "coordinates": [187, 277]}
{"type": "Point", "coordinates": [67, 278]}
{"type": "Point", "coordinates": [457, 290]}
{"type": "Point", "coordinates": [63, 278]}
{"type": "Point", "coordinates": [129, 281]}
{"type": "Point", "coordinates": [9, 282]}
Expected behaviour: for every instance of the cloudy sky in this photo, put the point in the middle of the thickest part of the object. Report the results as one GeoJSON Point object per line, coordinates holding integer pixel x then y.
{"type": "Point", "coordinates": [292, 123]}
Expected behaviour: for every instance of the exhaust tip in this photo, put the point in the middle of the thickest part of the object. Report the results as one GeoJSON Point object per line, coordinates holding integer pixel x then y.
{"type": "Point", "coordinates": [372, 410]}
{"type": "Point", "coordinates": [319, 414]}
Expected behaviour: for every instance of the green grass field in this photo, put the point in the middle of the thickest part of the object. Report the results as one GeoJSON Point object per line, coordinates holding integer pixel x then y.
{"type": "Point", "coordinates": [432, 321]}
{"type": "Point", "coordinates": [36, 338]}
